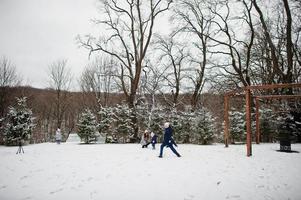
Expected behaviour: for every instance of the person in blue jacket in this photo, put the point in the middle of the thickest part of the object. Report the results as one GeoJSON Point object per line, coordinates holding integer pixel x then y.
{"type": "Point", "coordinates": [154, 139]}
{"type": "Point", "coordinates": [168, 141]}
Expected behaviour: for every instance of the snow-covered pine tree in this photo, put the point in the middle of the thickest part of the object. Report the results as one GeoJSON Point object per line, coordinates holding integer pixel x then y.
{"type": "Point", "coordinates": [19, 123]}
{"type": "Point", "coordinates": [156, 124]}
{"type": "Point", "coordinates": [124, 126]}
{"type": "Point", "coordinates": [204, 127]}
{"type": "Point", "coordinates": [176, 124]}
{"type": "Point", "coordinates": [87, 127]}
{"type": "Point", "coordinates": [143, 115]}
{"type": "Point", "coordinates": [267, 124]}
{"type": "Point", "coordinates": [187, 120]}
{"type": "Point", "coordinates": [106, 120]}
{"type": "Point", "coordinates": [286, 130]}
{"type": "Point", "coordinates": [237, 126]}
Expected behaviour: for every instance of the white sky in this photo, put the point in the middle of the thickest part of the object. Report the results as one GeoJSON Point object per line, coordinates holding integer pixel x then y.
{"type": "Point", "coordinates": [34, 33]}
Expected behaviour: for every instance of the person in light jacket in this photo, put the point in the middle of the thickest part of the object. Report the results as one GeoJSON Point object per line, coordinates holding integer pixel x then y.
{"type": "Point", "coordinates": [58, 136]}
{"type": "Point", "coordinates": [168, 141]}
{"type": "Point", "coordinates": [145, 139]}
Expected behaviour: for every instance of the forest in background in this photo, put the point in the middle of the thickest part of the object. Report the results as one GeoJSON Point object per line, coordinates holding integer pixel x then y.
{"type": "Point", "coordinates": [43, 105]}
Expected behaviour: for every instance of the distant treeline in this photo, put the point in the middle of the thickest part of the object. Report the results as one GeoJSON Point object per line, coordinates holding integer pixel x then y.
{"type": "Point", "coordinates": [43, 104]}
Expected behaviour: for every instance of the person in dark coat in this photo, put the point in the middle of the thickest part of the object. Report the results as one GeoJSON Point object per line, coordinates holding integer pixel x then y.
{"type": "Point", "coordinates": [154, 140]}
{"type": "Point", "coordinates": [168, 141]}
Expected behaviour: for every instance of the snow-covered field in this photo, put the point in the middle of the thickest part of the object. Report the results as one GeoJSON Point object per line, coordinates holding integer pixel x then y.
{"type": "Point", "coordinates": [128, 172]}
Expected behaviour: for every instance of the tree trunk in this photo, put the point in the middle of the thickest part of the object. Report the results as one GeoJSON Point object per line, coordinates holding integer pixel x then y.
{"type": "Point", "coordinates": [288, 78]}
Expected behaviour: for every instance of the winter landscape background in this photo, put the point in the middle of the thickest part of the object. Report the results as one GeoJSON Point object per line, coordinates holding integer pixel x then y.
{"type": "Point", "coordinates": [111, 71]}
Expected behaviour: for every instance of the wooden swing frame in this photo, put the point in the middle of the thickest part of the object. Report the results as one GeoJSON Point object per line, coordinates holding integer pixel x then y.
{"type": "Point", "coordinates": [247, 92]}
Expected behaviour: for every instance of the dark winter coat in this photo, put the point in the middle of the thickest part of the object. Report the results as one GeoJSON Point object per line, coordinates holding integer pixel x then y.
{"type": "Point", "coordinates": [154, 139]}
{"type": "Point", "coordinates": [167, 136]}
{"type": "Point", "coordinates": [168, 142]}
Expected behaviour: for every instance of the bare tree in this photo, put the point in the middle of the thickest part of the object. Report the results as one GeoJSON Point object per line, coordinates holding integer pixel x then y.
{"type": "Point", "coordinates": [239, 59]}
{"type": "Point", "coordinates": [8, 78]}
{"type": "Point", "coordinates": [297, 37]}
{"type": "Point", "coordinates": [175, 55]}
{"type": "Point", "coordinates": [60, 81]}
{"type": "Point", "coordinates": [151, 85]}
{"type": "Point", "coordinates": [8, 73]}
{"type": "Point", "coordinates": [98, 77]}
{"type": "Point", "coordinates": [195, 20]}
{"type": "Point", "coordinates": [130, 25]}
{"type": "Point", "coordinates": [282, 62]}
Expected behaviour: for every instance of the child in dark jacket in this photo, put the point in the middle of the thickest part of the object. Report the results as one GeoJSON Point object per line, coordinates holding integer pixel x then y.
{"type": "Point", "coordinates": [154, 139]}
{"type": "Point", "coordinates": [168, 140]}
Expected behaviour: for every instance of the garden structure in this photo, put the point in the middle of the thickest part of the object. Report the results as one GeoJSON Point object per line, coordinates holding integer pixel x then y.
{"type": "Point", "coordinates": [252, 96]}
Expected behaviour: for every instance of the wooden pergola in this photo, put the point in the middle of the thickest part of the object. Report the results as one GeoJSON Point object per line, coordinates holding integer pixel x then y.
{"type": "Point", "coordinates": [247, 92]}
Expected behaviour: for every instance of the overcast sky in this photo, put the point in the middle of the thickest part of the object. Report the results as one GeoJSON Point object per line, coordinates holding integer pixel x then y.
{"type": "Point", "coordinates": [34, 33]}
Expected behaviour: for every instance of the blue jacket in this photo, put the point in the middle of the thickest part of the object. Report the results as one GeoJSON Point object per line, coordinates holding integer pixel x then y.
{"type": "Point", "coordinates": [154, 139]}
{"type": "Point", "coordinates": [167, 135]}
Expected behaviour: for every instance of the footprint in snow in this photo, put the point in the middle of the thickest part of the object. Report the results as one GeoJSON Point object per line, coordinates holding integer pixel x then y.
{"type": "Point", "coordinates": [233, 197]}
{"type": "Point", "coordinates": [56, 191]}
{"type": "Point", "coordinates": [190, 197]}
{"type": "Point", "coordinates": [23, 177]}
{"type": "Point", "coordinates": [3, 187]}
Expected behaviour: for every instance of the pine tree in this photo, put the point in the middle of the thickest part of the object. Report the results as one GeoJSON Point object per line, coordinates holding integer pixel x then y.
{"type": "Point", "coordinates": [187, 121]}
{"type": "Point", "coordinates": [143, 115]}
{"type": "Point", "coordinates": [176, 124]}
{"type": "Point", "coordinates": [124, 126]}
{"type": "Point", "coordinates": [204, 127]}
{"type": "Point", "coordinates": [87, 127]}
{"type": "Point", "coordinates": [157, 122]}
{"type": "Point", "coordinates": [19, 123]}
{"type": "Point", "coordinates": [286, 129]}
{"type": "Point", "coordinates": [267, 124]}
{"type": "Point", "coordinates": [106, 119]}
{"type": "Point", "coordinates": [237, 126]}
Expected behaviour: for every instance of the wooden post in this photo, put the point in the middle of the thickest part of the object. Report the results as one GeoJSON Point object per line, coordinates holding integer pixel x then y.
{"type": "Point", "coordinates": [257, 122]}
{"type": "Point", "coordinates": [226, 120]}
{"type": "Point", "coordinates": [248, 120]}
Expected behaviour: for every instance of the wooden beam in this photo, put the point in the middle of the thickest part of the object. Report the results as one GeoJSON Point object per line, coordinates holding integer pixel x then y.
{"type": "Point", "coordinates": [226, 120]}
{"type": "Point", "coordinates": [248, 120]}
{"type": "Point", "coordinates": [234, 92]}
{"type": "Point", "coordinates": [257, 122]}
{"type": "Point", "coordinates": [278, 96]}
{"type": "Point", "coordinates": [273, 86]}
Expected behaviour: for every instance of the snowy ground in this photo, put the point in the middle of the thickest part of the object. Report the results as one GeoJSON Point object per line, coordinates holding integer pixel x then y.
{"type": "Point", "coordinates": [128, 172]}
